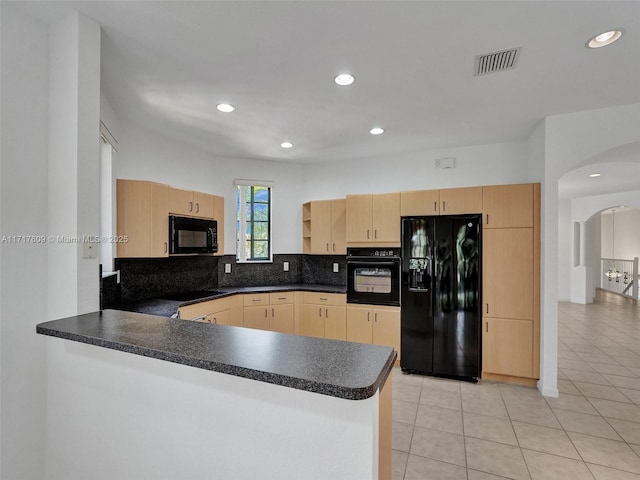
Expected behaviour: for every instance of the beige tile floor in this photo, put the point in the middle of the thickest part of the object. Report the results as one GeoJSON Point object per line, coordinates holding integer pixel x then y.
{"type": "Point", "coordinates": [444, 429]}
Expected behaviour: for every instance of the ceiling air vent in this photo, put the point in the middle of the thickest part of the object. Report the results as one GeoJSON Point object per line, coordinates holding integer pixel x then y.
{"type": "Point", "coordinates": [496, 61]}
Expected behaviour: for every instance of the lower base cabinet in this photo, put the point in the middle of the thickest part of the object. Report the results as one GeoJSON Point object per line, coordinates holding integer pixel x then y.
{"type": "Point", "coordinates": [324, 315]}
{"type": "Point", "coordinates": [269, 311]}
{"type": "Point", "coordinates": [225, 311]}
{"type": "Point", "coordinates": [507, 347]}
{"type": "Point", "coordinates": [374, 324]}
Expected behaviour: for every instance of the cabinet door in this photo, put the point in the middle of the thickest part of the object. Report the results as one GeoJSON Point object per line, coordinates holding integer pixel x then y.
{"type": "Point", "coordinates": [281, 318]}
{"type": "Point", "coordinates": [386, 217]}
{"type": "Point", "coordinates": [313, 320]}
{"type": "Point", "coordinates": [507, 273]}
{"type": "Point", "coordinates": [359, 325]}
{"type": "Point", "coordinates": [142, 215]}
{"type": "Point", "coordinates": [218, 214]}
{"type": "Point", "coordinates": [359, 218]}
{"type": "Point", "coordinates": [386, 328]}
{"type": "Point", "coordinates": [420, 202]}
{"type": "Point", "coordinates": [203, 204]}
{"type": "Point", "coordinates": [507, 347]}
{"type": "Point", "coordinates": [508, 206]}
{"type": "Point", "coordinates": [181, 201]}
{"type": "Point", "coordinates": [321, 227]}
{"type": "Point", "coordinates": [456, 201]}
{"type": "Point", "coordinates": [257, 317]}
{"type": "Point", "coordinates": [335, 323]}
{"type": "Point", "coordinates": [160, 220]}
{"type": "Point", "coordinates": [339, 227]}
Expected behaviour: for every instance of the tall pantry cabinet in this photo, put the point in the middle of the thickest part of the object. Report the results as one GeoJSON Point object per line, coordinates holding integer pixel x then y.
{"type": "Point", "coordinates": [511, 281]}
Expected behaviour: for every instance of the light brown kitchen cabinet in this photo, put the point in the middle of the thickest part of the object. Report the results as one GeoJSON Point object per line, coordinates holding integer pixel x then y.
{"type": "Point", "coordinates": [324, 226]}
{"type": "Point", "coordinates": [511, 282]}
{"type": "Point", "coordinates": [187, 202]}
{"type": "Point", "coordinates": [218, 215]}
{"type": "Point", "coordinates": [223, 311]}
{"type": "Point", "coordinates": [508, 264]}
{"type": "Point", "coordinates": [324, 315]}
{"type": "Point", "coordinates": [375, 324]}
{"type": "Point", "coordinates": [269, 311]}
{"type": "Point", "coordinates": [507, 347]}
{"type": "Point", "coordinates": [509, 206]}
{"type": "Point", "coordinates": [450, 201]}
{"type": "Point", "coordinates": [373, 219]}
{"type": "Point", "coordinates": [142, 217]}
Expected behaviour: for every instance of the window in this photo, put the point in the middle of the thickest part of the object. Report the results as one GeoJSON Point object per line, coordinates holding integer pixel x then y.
{"type": "Point", "coordinates": [253, 225]}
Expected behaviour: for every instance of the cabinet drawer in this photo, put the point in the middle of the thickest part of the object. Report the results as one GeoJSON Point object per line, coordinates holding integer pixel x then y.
{"type": "Point", "coordinates": [277, 298]}
{"type": "Point", "coordinates": [325, 298]}
{"type": "Point", "coordinates": [253, 299]}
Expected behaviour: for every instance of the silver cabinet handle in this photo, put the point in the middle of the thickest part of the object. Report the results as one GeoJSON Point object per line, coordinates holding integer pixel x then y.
{"type": "Point", "coordinates": [334, 247]}
{"type": "Point", "coordinates": [320, 312]}
{"type": "Point", "coordinates": [191, 206]}
{"type": "Point", "coordinates": [375, 317]}
{"type": "Point", "coordinates": [368, 316]}
{"type": "Point", "coordinates": [444, 206]}
{"type": "Point", "coordinates": [165, 247]}
{"type": "Point", "coordinates": [367, 234]}
{"type": "Point", "coordinates": [435, 206]}
{"type": "Point", "coordinates": [265, 313]}
{"type": "Point", "coordinates": [197, 207]}
{"type": "Point", "coordinates": [327, 247]}
{"type": "Point", "coordinates": [487, 329]}
{"type": "Point", "coordinates": [487, 308]}
{"type": "Point", "coordinates": [375, 233]}
{"type": "Point", "coordinates": [326, 313]}
{"type": "Point", "coordinates": [487, 219]}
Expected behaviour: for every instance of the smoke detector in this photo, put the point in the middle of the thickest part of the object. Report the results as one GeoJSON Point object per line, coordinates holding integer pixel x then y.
{"type": "Point", "coordinates": [496, 61]}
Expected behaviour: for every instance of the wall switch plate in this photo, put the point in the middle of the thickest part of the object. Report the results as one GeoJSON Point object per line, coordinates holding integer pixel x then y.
{"type": "Point", "coordinates": [227, 268]}
{"type": "Point", "coordinates": [90, 250]}
{"type": "Point", "coordinates": [336, 267]}
{"type": "Point", "coordinates": [285, 266]}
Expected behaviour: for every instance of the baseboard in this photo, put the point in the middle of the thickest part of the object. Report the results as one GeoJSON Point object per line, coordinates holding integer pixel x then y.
{"type": "Point", "coordinates": [530, 382]}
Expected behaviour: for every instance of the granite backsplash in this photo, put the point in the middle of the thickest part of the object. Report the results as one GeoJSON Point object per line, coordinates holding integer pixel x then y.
{"type": "Point", "coordinates": [145, 278]}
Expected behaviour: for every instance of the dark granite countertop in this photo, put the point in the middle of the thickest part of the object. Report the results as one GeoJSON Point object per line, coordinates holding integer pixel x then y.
{"type": "Point", "coordinates": [336, 368]}
{"type": "Point", "coordinates": [167, 307]}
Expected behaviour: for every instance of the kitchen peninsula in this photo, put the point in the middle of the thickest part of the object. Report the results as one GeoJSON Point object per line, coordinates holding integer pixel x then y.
{"type": "Point", "coordinates": [258, 404]}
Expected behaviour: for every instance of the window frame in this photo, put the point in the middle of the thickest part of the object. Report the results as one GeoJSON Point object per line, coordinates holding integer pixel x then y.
{"type": "Point", "coordinates": [245, 219]}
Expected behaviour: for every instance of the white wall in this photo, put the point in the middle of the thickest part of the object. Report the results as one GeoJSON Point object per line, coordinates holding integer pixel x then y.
{"type": "Point", "coordinates": [23, 276]}
{"type": "Point", "coordinates": [474, 165]}
{"type": "Point", "coordinates": [627, 234]}
{"type": "Point", "coordinates": [144, 155]}
{"type": "Point", "coordinates": [49, 114]}
{"type": "Point", "coordinates": [565, 252]}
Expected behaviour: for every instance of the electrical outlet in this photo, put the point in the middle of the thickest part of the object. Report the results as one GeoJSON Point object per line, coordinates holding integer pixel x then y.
{"type": "Point", "coordinates": [285, 266]}
{"type": "Point", "coordinates": [90, 250]}
{"type": "Point", "coordinates": [336, 267]}
{"type": "Point", "coordinates": [227, 268]}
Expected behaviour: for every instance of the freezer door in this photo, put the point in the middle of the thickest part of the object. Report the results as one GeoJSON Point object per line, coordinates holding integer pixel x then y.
{"type": "Point", "coordinates": [417, 295]}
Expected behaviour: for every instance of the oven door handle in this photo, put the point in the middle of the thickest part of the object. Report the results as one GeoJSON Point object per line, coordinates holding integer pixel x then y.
{"type": "Point", "coordinates": [372, 263]}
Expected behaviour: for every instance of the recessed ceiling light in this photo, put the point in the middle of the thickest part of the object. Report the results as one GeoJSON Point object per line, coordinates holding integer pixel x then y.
{"type": "Point", "coordinates": [225, 107]}
{"type": "Point", "coordinates": [376, 131]}
{"type": "Point", "coordinates": [605, 38]}
{"type": "Point", "coordinates": [286, 144]}
{"type": "Point", "coordinates": [594, 175]}
{"type": "Point", "coordinates": [344, 79]}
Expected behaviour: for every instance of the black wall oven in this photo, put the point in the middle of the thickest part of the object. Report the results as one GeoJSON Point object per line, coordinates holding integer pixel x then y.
{"type": "Point", "coordinates": [192, 235]}
{"type": "Point", "coordinates": [373, 276]}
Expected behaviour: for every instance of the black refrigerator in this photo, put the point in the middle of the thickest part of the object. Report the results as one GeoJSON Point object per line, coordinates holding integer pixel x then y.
{"type": "Point", "coordinates": [441, 296]}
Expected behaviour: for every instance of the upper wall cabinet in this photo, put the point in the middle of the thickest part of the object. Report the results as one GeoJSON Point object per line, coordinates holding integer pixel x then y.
{"type": "Point", "coordinates": [373, 219]}
{"type": "Point", "coordinates": [324, 225]}
{"type": "Point", "coordinates": [508, 206]}
{"type": "Point", "coordinates": [142, 209]}
{"type": "Point", "coordinates": [451, 201]}
{"type": "Point", "coordinates": [187, 202]}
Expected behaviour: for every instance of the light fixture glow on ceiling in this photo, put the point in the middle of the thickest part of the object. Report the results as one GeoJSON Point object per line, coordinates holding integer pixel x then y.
{"type": "Point", "coordinates": [376, 131]}
{"type": "Point", "coordinates": [225, 107]}
{"type": "Point", "coordinates": [286, 144]}
{"type": "Point", "coordinates": [344, 79]}
{"type": "Point", "coordinates": [594, 175]}
{"type": "Point", "coordinates": [605, 38]}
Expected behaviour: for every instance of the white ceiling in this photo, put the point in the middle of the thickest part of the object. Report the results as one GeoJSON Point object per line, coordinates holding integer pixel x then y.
{"type": "Point", "coordinates": [166, 65]}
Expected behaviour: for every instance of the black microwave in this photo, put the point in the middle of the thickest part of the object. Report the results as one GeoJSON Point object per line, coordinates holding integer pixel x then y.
{"type": "Point", "coordinates": [192, 235]}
